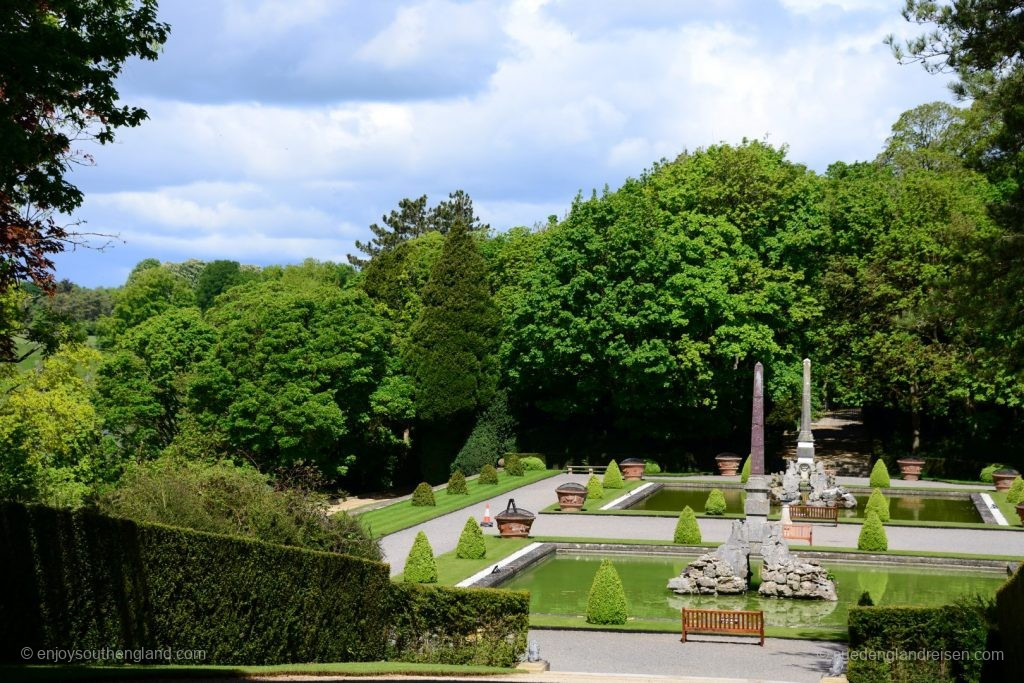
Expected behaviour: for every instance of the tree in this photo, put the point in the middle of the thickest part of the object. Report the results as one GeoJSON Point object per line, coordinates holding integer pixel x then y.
{"type": "Point", "coordinates": [471, 542]}
{"type": "Point", "coordinates": [595, 490]}
{"type": "Point", "coordinates": [872, 534]}
{"type": "Point", "coordinates": [420, 565]}
{"type": "Point", "coordinates": [423, 496]}
{"type": "Point", "coordinates": [457, 484]}
{"type": "Point", "coordinates": [606, 603]}
{"type": "Point", "coordinates": [57, 73]}
{"type": "Point", "coordinates": [612, 476]}
{"type": "Point", "coordinates": [687, 531]}
{"type": "Point", "coordinates": [880, 475]}
{"type": "Point", "coordinates": [216, 278]}
{"type": "Point", "coordinates": [147, 294]}
{"type": "Point", "coordinates": [492, 435]}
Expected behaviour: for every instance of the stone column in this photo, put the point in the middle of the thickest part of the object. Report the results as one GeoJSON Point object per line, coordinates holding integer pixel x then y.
{"type": "Point", "coordinates": [805, 440]}
{"type": "Point", "coordinates": [756, 506]}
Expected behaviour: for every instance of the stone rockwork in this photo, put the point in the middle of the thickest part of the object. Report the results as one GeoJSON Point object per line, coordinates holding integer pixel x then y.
{"type": "Point", "coordinates": [709, 574]}
{"type": "Point", "coordinates": [796, 579]}
{"type": "Point", "coordinates": [784, 487]}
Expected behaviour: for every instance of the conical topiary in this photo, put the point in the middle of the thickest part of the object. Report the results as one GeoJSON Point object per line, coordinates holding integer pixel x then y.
{"type": "Point", "coordinates": [423, 495]}
{"type": "Point", "coordinates": [715, 504]}
{"type": "Point", "coordinates": [471, 542]}
{"type": "Point", "coordinates": [488, 475]}
{"type": "Point", "coordinates": [878, 504]}
{"type": "Point", "coordinates": [420, 566]}
{"type": "Point", "coordinates": [513, 465]}
{"type": "Point", "coordinates": [745, 471]}
{"type": "Point", "coordinates": [880, 475]}
{"type": "Point", "coordinates": [1015, 494]}
{"type": "Point", "coordinates": [872, 534]}
{"type": "Point", "coordinates": [687, 530]}
{"type": "Point", "coordinates": [607, 601]}
{"type": "Point", "coordinates": [457, 484]}
{"type": "Point", "coordinates": [612, 476]}
{"type": "Point", "coordinates": [595, 490]}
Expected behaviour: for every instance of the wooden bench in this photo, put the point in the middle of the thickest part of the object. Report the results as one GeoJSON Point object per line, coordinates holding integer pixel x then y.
{"type": "Point", "coordinates": [814, 513]}
{"type": "Point", "coordinates": [585, 469]}
{"type": "Point", "coordinates": [798, 532]}
{"type": "Point", "coordinates": [730, 622]}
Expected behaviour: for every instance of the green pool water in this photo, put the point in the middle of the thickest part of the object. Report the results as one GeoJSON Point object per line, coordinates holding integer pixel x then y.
{"type": "Point", "coordinates": [911, 508]}
{"type": "Point", "coordinates": [559, 585]}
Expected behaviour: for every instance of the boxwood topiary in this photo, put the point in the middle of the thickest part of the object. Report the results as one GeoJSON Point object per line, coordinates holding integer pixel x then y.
{"type": "Point", "coordinates": [872, 534]}
{"type": "Point", "coordinates": [595, 490]}
{"type": "Point", "coordinates": [612, 476]}
{"type": "Point", "coordinates": [715, 504]}
{"type": "Point", "coordinates": [878, 504]}
{"type": "Point", "coordinates": [513, 465]}
{"type": "Point", "coordinates": [745, 471]}
{"type": "Point", "coordinates": [488, 475]}
{"type": "Point", "coordinates": [986, 472]}
{"type": "Point", "coordinates": [651, 467]}
{"type": "Point", "coordinates": [687, 530]}
{"type": "Point", "coordinates": [880, 475]}
{"type": "Point", "coordinates": [1015, 494]}
{"type": "Point", "coordinates": [471, 542]}
{"type": "Point", "coordinates": [607, 601]}
{"type": "Point", "coordinates": [420, 566]}
{"type": "Point", "coordinates": [423, 496]}
{"type": "Point", "coordinates": [457, 484]}
{"type": "Point", "coordinates": [531, 463]}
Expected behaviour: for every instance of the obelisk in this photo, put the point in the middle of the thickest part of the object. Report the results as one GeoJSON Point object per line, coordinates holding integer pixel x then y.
{"type": "Point", "coordinates": [756, 506]}
{"type": "Point", "coordinates": [805, 440]}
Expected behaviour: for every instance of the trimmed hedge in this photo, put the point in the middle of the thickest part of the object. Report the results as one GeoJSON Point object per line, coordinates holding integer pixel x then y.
{"type": "Point", "coordinates": [651, 467]}
{"type": "Point", "coordinates": [420, 565]}
{"type": "Point", "coordinates": [745, 471]}
{"type": "Point", "coordinates": [715, 504]}
{"type": "Point", "coordinates": [878, 504]}
{"type": "Point", "coordinates": [687, 529]}
{"type": "Point", "coordinates": [488, 475]}
{"type": "Point", "coordinates": [513, 465]}
{"type": "Point", "coordinates": [471, 542]}
{"type": "Point", "coordinates": [613, 477]}
{"type": "Point", "coordinates": [1009, 609]}
{"type": "Point", "coordinates": [531, 463]}
{"type": "Point", "coordinates": [1015, 494]}
{"type": "Point", "coordinates": [457, 484]}
{"type": "Point", "coordinates": [880, 475]}
{"type": "Point", "coordinates": [872, 534]}
{"type": "Point", "coordinates": [484, 626]}
{"type": "Point", "coordinates": [423, 496]}
{"type": "Point", "coordinates": [606, 603]}
{"type": "Point", "coordinates": [80, 580]}
{"type": "Point", "coordinates": [886, 643]}
{"type": "Point", "coordinates": [595, 490]}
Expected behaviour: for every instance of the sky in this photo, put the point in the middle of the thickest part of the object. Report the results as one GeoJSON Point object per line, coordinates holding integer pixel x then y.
{"type": "Point", "coordinates": [281, 129]}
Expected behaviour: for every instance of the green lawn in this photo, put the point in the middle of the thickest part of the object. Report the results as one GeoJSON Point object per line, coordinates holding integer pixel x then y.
{"type": "Point", "coordinates": [402, 515]}
{"type": "Point", "coordinates": [451, 569]}
{"type": "Point", "coordinates": [141, 672]}
{"type": "Point", "coordinates": [1008, 510]}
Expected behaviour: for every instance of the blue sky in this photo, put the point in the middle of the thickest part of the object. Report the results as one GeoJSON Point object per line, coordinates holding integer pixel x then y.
{"type": "Point", "coordinates": [280, 129]}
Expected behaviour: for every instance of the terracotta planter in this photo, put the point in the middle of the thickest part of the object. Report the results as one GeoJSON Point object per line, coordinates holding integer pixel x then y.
{"type": "Point", "coordinates": [1020, 512]}
{"type": "Point", "coordinates": [1003, 479]}
{"type": "Point", "coordinates": [728, 464]}
{"type": "Point", "coordinates": [910, 468]}
{"type": "Point", "coordinates": [571, 496]}
{"type": "Point", "coordinates": [514, 522]}
{"type": "Point", "coordinates": [632, 468]}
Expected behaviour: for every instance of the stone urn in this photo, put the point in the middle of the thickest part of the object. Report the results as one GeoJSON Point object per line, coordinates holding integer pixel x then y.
{"type": "Point", "coordinates": [728, 464]}
{"type": "Point", "coordinates": [1003, 478]}
{"type": "Point", "coordinates": [571, 496]}
{"type": "Point", "coordinates": [514, 522]}
{"type": "Point", "coordinates": [1020, 512]}
{"type": "Point", "coordinates": [632, 468]}
{"type": "Point", "coordinates": [910, 468]}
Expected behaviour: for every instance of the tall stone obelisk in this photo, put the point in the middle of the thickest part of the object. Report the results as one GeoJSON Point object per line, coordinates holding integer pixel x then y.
{"type": "Point", "coordinates": [756, 506]}
{"type": "Point", "coordinates": [805, 440]}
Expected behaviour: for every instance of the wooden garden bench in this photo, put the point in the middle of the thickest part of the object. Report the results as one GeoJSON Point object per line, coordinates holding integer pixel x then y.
{"type": "Point", "coordinates": [798, 532]}
{"type": "Point", "coordinates": [814, 513]}
{"type": "Point", "coordinates": [585, 469]}
{"type": "Point", "coordinates": [729, 622]}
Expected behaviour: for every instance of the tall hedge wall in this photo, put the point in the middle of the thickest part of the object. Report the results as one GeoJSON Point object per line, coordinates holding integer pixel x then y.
{"type": "Point", "coordinates": [85, 581]}
{"type": "Point", "coordinates": [893, 644]}
{"type": "Point", "coordinates": [1010, 617]}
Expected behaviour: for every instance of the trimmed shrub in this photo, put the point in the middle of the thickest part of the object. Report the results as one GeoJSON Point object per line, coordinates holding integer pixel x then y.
{"type": "Point", "coordinates": [880, 475]}
{"type": "Point", "coordinates": [1009, 608]}
{"type": "Point", "coordinates": [651, 467]}
{"type": "Point", "coordinates": [613, 477]}
{"type": "Point", "coordinates": [531, 463]}
{"type": "Point", "coordinates": [872, 534]}
{"type": "Point", "coordinates": [607, 601]}
{"type": "Point", "coordinates": [513, 465]}
{"type": "Point", "coordinates": [986, 472]}
{"type": "Point", "coordinates": [745, 471]}
{"type": "Point", "coordinates": [457, 484]}
{"type": "Point", "coordinates": [878, 504]}
{"type": "Point", "coordinates": [420, 565]}
{"type": "Point", "coordinates": [437, 624]}
{"type": "Point", "coordinates": [80, 580]}
{"type": "Point", "coordinates": [471, 542]}
{"type": "Point", "coordinates": [488, 475]}
{"type": "Point", "coordinates": [876, 632]}
{"type": "Point", "coordinates": [423, 496]}
{"type": "Point", "coordinates": [715, 504]}
{"type": "Point", "coordinates": [1015, 494]}
{"type": "Point", "coordinates": [595, 490]}
{"type": "Point", "coordinates": [687, 530]}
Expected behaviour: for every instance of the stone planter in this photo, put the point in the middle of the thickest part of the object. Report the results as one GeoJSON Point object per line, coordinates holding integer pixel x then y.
{"type": "Point", "coordinates": [571, 496]}
{"type": "Point", "coordinates": [632, 468]}
{"type": "Point", "coordinates": [1003, 479]}
{"type": "Point", "coordinates": [910, 468]}
{"type": "Point", "coordinates": [514, 522]}
{"type": "Point", "coordinates": [728, 464]}
{"type": "Point", "coordinates": [1020, 512]}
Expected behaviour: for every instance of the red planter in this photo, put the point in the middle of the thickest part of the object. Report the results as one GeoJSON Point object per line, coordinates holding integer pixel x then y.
{"type": "Point", "coordinates": [632, 468]}
{"type": "Point", "coordinates": [910, 468]}
{"type": "Point", "coordinates": [1003, 478]}
{"type": "Point", "coordinates": [571, 496]}
{"type": "Point", "coordinates": [514, 522]}
{"type": "Point", "coordinates": [1020, 512]}
{"type": "Point", "coordinates": [728, 464]}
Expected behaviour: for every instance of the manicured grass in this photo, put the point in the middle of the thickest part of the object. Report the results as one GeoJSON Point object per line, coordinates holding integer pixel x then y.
{"type": "Point", "coordinates": [451, 569]}
{"type": "Point", "coordinates": [1008, 510]}
{"type": "Point", "coordinates": [141, 672]}
{"type": "Point", "coordinates": [594, 504]}
{"type": "Point", "coordinates": [402, 515]}
{"type": "Point", "coordinates": [672, 626]}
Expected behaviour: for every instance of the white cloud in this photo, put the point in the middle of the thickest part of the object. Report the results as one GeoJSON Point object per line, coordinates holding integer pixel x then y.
{"type": "Point", "coordinates": [810, 6]}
